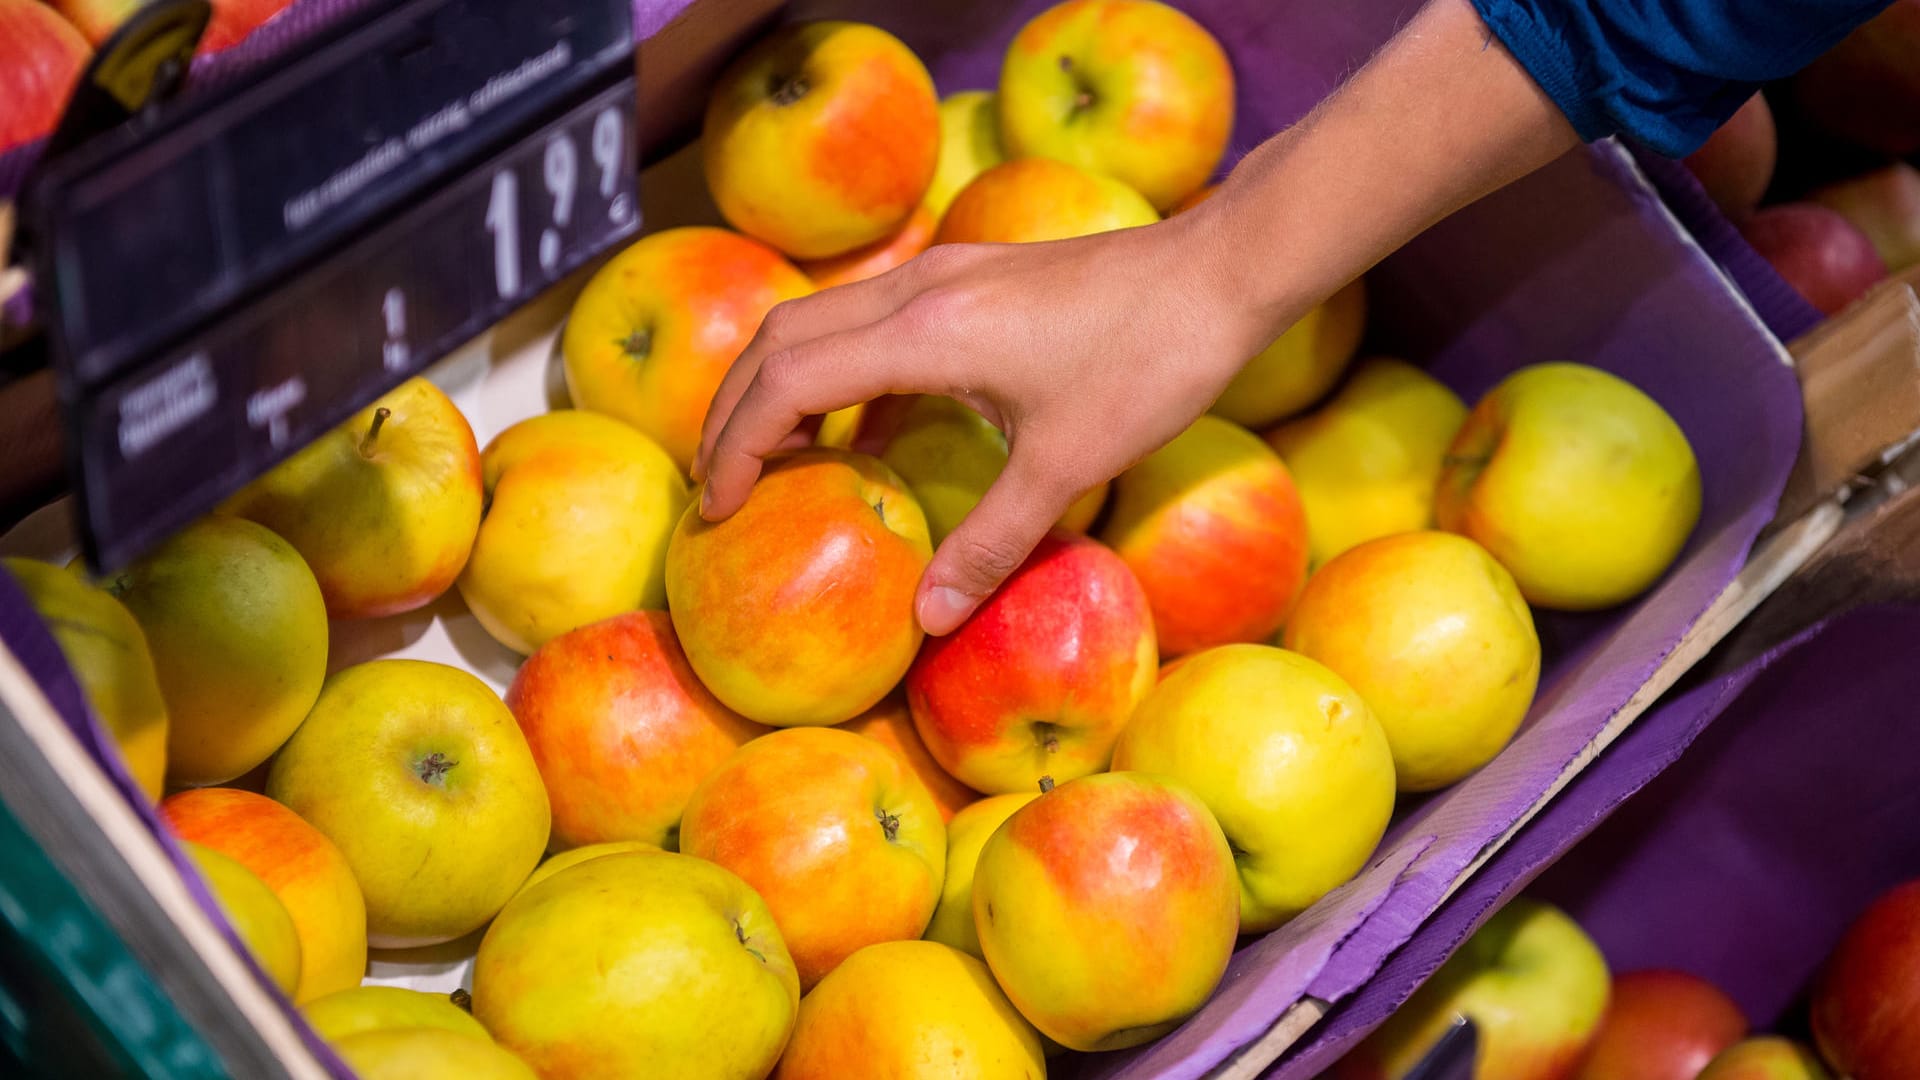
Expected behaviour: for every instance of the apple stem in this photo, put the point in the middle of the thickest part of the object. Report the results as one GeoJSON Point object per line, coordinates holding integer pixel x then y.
{"type": "Point", "coordinates": [889, 824]}
{"type": "Point", "coordinates": [1046, 784]}
{"type": "Point", "coordinates": [638, 344]}
{"type": "Point", "coordinates": [373, 430]}
{"type": "Point", "coordinates": [461, 1000]}
{"type": "Point", "coordinates": [786, 91]}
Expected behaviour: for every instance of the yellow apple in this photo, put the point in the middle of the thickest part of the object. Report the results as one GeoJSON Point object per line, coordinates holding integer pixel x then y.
{"type": "Point", "coordinates": [638, 965]}
{"type": "Point", "coordinates": [257, 915]}
{"type": "Point", "coordinates": [1433, 633]}
{"type": "Point", "coordinates": [580, 508]}
{"type": "Point", "coordinates": [428, 1053]}
{"type": "Point", "coordinates": [1300, 366]}
{"type": "Point", "coordinates": [382, 1008]}
{"type": "Point", "coordinates": [1035, 199]}
{"type": "Point", "coordinates": [383, 507]}
{"type": "Point", "coordinates": [1366, 462]}
{"type": "Point", "coordinates": [911, 1010]}
{"type": "Point", "coordinates": [421, 777]}
{"type": "Point", "coordinates": [969, 146]}
{"type": "Point", "coordinates": [575, 856]}
{"type": "Point", "coordinates": [1287, 757]}
{"type": "Point", "coordinates": [1765, 1057]}
{"type": "Point", "coordinates": [967, 833]}
{"type": "Point", "coordinates": [1578, 482]}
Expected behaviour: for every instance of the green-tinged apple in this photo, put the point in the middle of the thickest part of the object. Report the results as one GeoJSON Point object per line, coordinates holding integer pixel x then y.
{"type": "Point", "coordinates": [420, 776]}
{"type": "Point", "coordinates": [798, 609]}
{"type": "Point", "coordinates": [1035, 199]}
{"type": "Point", "coordinates": [1213, 527]}
{"type": "Point", "coordinates": [653, 332]}
{"type": "Point", "coordinates": [1366, 462]}
{"type": "Point", "coordinates": [969, 145]}
{"type": "Point", "coordinates": [1301, 365]}
{"type": "Point", "coordinates": [1133, 89]}
{"type": "Point", "coordinates": [834, 832]}
{"type": "Point", "coordinates": [385, 1008]}
{"type": "Point", "coordinates": [1434, 635]}
{"type": "Point", "coordinates": [1107, 909]}
{"type": "Point", "coordinates": [428, 1053]}
{"type": "Point", "coordinates": [1287, 757]}
{"type": "Point", "coordinates": [952, 922]}
{"type": "Point", "coordinates": [621, 728]}
{"type": "Point", "coordinates": [890, 724]}
{"type": "Point", "coordinates": [303, 868]}
{"type": "Point", "coordinates": [1581, 485]}
{"type": "Point", "coordinates": [1766, 1057]}
{"type": "Point", "coordinates": [876, 258]}
{"type": "Point", "coordinates": [41, 57]}
{"type": "Point", "coordinates": [238, 631]}
{"type": "Point", "coordinates": [1866, 1002]}
{"type": "Point", "coordinates": [1885, 205]}
{"type": "Point", "coordinates": [108, 654]}
{"type": "Point", "coordinates": [1661, 1025]}
{"type": "Point", "coordinates": [255, 913]}
{"type": "Point", "coordinates": [579, 510]}
{"type": "Point", "coordinates": [1533, 983]}
{"type": "Point", "coordinates": [383, 507]}
{"type": "Point", "coordinates": [559, 861]}
{"type": "Point", "coordinates": [1735, 164]}
{"type": "Point", "coordinates": [822, 138]}
{"type": "Point", "coordinates": [1042, 677]}
{"type": "Point", "coordinates": [911, 1010]}
{"type": "Point", "coordinates": [638, 965]}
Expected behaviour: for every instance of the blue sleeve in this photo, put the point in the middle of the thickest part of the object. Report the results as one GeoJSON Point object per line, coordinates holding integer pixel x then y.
{"type": "Point", "coordinates": [1665, 73]}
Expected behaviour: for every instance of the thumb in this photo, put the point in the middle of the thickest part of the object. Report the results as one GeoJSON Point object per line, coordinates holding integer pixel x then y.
{"type": "Point", "coordinates": [989, 544]}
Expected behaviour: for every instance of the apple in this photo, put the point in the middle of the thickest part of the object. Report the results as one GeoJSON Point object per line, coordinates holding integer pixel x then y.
{"type": "Point", "coordinates": [1133, 89]}
{"type": "Point", "coordinates": [1735, 164]}
{"type": "Point", "coordinates": [1366, 462]}
{"type": "Point", "coordinates": [638, 965]}
{"type": "Point", "coordinates": [821, 138]}
{"type": "Point", "coordinates": [384, 1008]}
{"type": "Point", "coordinates": [1213, 527]}
{"type": "Point", "coordinates": [834, 832]}
{"type": "Point", "coordinates": [420, 776]}
{"type": "Point", "coordinates": [580, 508]}
{"type": "Point", "coordinates": [1530, 979]}
{"type": "Point", "coordinates": [1107, 909]}
{"type": "Point", "coordinates": [1817, 251]}
{"type": "Point", "coordinates": [304, 869]}
{"type": "Point", "coordinates": [621, 729]}
{"type": "Point", "coordinates": [41, 57]}
{"type": "Point", "coordinates": [890, 724]}
{"type": "Point", "coordinates": [1661, 1025]}
{"type": "Point", "coordinates": [1866, 89]}
{"type": "Point", "coordinates": [1885, 205]}
{"type": "Point", "coordinates": [1433, 633]}
{"type": "Point", "coordinates": [910, 1010]}
{"type": "Point", "coordinates": [383, 507]}
{"type": "Point", "coordinates": [1301, 365]}
{"type": "Point", "coordinates": [256, 915]}
{"type": "Point", "coordinates": [656, 328]}
{"type": "Point", "coordinates": [1035, 199]}
{"type": "Point", "coordinates": [798, 609]}
{"type": "Point", "coordinates": [231, 22]}
{"type": "Point", "coordinates": [1765, 1057]}
{"type": "Point", "coordinates": [428, 1053]}
{"type": "Point", "coordinates": [1574, 480]}
{"type": "Point", "coordinates": [1866, 1002]}
{"type": "Point", "coordinates": [575, 856]}
{"type": "Point", "coordinates": [108, 655]}
{"type": "Point", "coordinates": [1042, 677]}
{"type": "Point", "coordinates": [1286, 756]}
{"type": "Point", "coordinates": [876, 258]}
{"type": "Point", "coordinates": [969, 145]}
{"type": "Point", "coordinates": [952, 922]}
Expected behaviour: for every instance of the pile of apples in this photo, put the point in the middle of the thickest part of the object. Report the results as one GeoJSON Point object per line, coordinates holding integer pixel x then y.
{"type": "Point", "coordinates": [783, 832]}
{"type": "Point", "coordinates": [1546, 1008]}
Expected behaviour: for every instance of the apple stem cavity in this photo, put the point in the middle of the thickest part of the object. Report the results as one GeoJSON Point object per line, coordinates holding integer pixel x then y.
{"type": "Point", "coordinates": [1083, 94]}
{"type": "Point", "coordinates": [1046, 784]}
{"type": "Point", "coordinates": [638, 344]}
{"type": "Point", "coordinates": [741, 933]}
{"type": "Point", "coordinates": [434, 768]}
{"type": "Point", "coordinates": [788, 89]}
{"type": "Point", "coordinates": [373, 430]}
{"type": "Point", "coordinates": [889, 824]}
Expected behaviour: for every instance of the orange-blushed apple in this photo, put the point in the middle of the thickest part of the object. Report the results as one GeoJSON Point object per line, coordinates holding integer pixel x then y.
{"type": "Point", "coordinates": [876, 258]}
{"type": "Point", "coordinates": [303, 868]}
{"type": "Point", "coordinates": [1212, 525]}
{"type": "Point", "coordinates": [383, 507]}
{"type": "Point", "coordinates": [967, 832]}
{"type": "Point", "coordinates": [41, 57]}
{"type": "Point", "coordinates": [1866, 1001]}
{"type": "Point", "coordinates": [1107, 909]}
{"type": "Point", "coordinates": [1033, 199]}
{"type": "Point", "coordinates": [822, 137]}
{"type": "Point", "coordinates": [621, 728]}
{"type": "Point", "coordinates": [255, 913]}
{"type": "Point", "coordinates": [1044, 674]}
{"type": "Point", "coordinates": [655, 329]}
{"type": "Point", "coordinates": [833, 831]}
{"type": "Point", "coordinates": [969, 145]}
{"type": "Point", "coordinates": [1766, 1057]}
{"type": "Point", "coordinates": [798, 609]}
{"type": "Point", "coordinates": [890, 724]}
{"type": "Point", "coordinates": [1134, 89]}
{"type": "Point", "coordinates": [1661, 1024]}
{"type": "Point", "coordinates": [1735, 164]}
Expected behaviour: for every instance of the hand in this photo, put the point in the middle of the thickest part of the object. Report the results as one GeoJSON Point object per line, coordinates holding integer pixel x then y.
{"type": "Point", "coordinates": [1088, 353]}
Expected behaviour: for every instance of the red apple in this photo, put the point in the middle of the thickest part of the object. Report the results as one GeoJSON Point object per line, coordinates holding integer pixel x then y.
{"type": "Point", "coordinates": [1866, 1004]}
{"type": "Point", "coordinates": [1867, 88]}
{"type": "Point", "coordinates": [1818, 252]}
{"type": "Point", "coordinates": [890, 724]}
{"type": "Point", "coordinates": [621, 729]}
{"type": "Point", "coordinates": [1661, 1025]}
{"type": "Point", "coordinates": [1735, 164]}
{"type": "Point", "coordinates": [41, 55]}
{"type": "Point", "coordinates": [1884, 204]}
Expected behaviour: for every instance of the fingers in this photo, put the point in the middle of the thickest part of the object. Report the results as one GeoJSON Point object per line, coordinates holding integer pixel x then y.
{"type": "Point", "coordinates": [991, 542]}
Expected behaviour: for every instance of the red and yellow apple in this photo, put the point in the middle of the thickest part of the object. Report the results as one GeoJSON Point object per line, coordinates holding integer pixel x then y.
{"type": "Point", "coordinates": [656, 328]}
{"type": "Point", "coordinates": [1581, 485]}
{"type": "Point", "coordinates": [1884, 205]}
{"type": "Point", "coordinates": [822, 138]}
{"type": "Point", "coordinates": [231, 22]}
{"type": "Point", "coordinates": [967, 832]}
{"type": "Point", "coordinates": [349, 1012]}
{"type": "Point", "coordinates": [1035, 199]}
{"type": "Point", "coordinates": [1213, 527]}
{"type": "Point", "coordinates": [1661, 1025]}
{"type": "Point", "coordinates": [1825, 257]}
{"type": "Point", "coordinates": [1040, 680]}
{"type": "Point", "coordinates": [890, 724]}
{"type": "Point", "coordinates": [41, 57]}
{"type": "Point", "coordinates": [1286, 756]}
{"type": "Point", "coordinates": [255, 913]}
{"type": "Point", "coordinates": [1735, 164]}
{"type": "Point", "coordinates": [621, 729]}
{"type": "Point", "coordinates": [834, 832]}
{"type": "Point", "coordinates": [1766, 1057]}
{"type": "Point", "coordinates": [1866, 1003]}
{"type": "Point", "coordinates": [798, 609]}
{"type": "Point", "coordinates": [969, 145]}
{"type": "Point", "coordinates": [872, 260]}
{"type": "Point", "coordinates": [1132, 89]}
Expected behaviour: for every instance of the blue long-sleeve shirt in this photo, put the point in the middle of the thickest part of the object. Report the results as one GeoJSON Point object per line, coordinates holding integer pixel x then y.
{"type": "Point", "coordinates": [1665, 73]}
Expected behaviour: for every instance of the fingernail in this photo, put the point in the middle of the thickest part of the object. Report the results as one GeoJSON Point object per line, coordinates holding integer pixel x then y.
{"type": "Point", "coordinates": [943, 609]}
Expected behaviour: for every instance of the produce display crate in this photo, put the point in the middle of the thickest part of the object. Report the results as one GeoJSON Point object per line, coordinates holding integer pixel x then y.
{"type": "Point", "coordinates": [1595, 259]}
